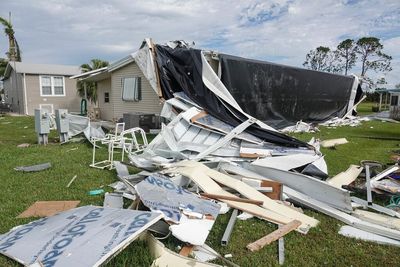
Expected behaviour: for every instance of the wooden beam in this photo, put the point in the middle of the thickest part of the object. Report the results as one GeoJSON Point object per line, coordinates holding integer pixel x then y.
{"type": "Point", "coordinates": [275, 235]}
{"type": "Point", "coordinates": [237, 199]}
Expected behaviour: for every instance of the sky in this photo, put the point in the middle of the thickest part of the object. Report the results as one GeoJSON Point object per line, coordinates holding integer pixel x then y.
{"type": "Point", "coordinates": [282, 31]}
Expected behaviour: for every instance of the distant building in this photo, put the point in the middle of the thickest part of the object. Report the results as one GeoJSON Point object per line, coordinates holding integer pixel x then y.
{"type": "Point", "coordinates": [31, 86]}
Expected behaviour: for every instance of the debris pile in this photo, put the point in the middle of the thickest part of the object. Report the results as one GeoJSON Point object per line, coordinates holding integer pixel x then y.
{"type": "Point", "coordinates": [212, 156]}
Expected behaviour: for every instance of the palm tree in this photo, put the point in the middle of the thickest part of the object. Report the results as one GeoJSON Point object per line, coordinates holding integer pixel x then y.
{"type": "Point", "coordinates": [14, 53]}
{"type": "Point", "coordinates": [91, 87]}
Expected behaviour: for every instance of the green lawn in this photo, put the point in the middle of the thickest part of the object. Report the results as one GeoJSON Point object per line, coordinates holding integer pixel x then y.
{"type": "Point", "coordinates": [365, 108]}
{"type": "Point", "coordinates": [322, 246]}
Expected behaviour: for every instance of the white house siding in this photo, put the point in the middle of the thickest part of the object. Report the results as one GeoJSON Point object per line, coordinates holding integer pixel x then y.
{"type": "Point", "coordinates": [150, 102]}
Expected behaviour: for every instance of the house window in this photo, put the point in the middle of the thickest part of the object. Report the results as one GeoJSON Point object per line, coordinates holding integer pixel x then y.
{"type": "Point", "coordinates": [106, 97]}
{"type": "Point", "coordinates": [132, 90]}
{"type": "Point", "coordinates": [52, 86]}
{"type": "Point", "coordinates": [394, 100]}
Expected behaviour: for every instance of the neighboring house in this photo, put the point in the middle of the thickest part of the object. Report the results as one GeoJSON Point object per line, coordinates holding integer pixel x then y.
{"type": "Point", "coordinates": [31, 86]}
{"type": "Point", "coordinates": [122, 88]}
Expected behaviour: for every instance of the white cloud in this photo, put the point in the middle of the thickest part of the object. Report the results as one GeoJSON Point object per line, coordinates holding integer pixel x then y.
{"type": "Point", "coordinates": [73, 31]}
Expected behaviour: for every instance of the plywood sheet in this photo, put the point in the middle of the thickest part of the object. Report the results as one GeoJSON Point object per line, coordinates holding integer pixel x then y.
{"type": "Point", "coordinates": [48, 208]}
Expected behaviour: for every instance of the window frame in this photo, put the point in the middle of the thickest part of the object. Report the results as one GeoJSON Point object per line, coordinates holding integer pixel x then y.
{"type": "Point", "coordinates": [139, 93]}
{"type": "Point", "coordinates": [51, 86]}
{"type": "Point", "coordinates": [107, 97]}
{"type": "Point", "coordinates": [392, 102]}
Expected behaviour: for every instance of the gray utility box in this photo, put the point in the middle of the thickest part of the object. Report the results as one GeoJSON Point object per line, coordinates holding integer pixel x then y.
{"type": "Point", "coordinates": [62, 124]}
{"type": "Point", "coordinates": [143, 120]}
{"type": "Point", "coordinates": [62, 121]}
{"type": "Point", "coordinates": [42, 125]}
{"type": "Point", "coordinates": [42, 121]}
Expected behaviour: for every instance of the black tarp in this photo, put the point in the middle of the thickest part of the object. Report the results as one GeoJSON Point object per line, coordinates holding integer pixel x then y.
{"type": "Point", "coordinates": [180, 70]}
{"type": "Point", "coordinates": [283, 95]}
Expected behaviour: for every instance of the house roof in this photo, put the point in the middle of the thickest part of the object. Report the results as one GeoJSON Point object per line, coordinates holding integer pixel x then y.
{"type": "Point", "coordinates": [103, 73]}
{"type": "Point", "coordinates": [384, 90]}
{"type": "Point", "coordinates": [30, 68]}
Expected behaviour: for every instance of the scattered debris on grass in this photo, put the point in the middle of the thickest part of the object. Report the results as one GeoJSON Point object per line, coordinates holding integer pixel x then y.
{"type": "Point", "coordinates": [72, 180]}
{"type": "Point", "coordinates": [96, 192]}
{"type": "Point", "coordinates": [34, 168]}
{"type": "Point", "coordinates": [23, 145]}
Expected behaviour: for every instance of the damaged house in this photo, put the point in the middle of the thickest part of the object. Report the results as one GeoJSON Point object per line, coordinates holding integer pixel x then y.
{"type": "Point", "coordinates": [276, 94]}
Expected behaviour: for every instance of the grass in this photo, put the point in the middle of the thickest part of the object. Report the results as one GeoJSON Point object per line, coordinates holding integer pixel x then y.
{"type": "Point", "coordinates": [365, 108]}
{"type": "Point", "coordinates": [322, 246]}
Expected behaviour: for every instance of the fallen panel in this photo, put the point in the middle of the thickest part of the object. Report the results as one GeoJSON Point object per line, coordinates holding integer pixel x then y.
{"type": "Point", "coordinates": [333, 142]}
{"type": "Point", "coordinates": [346, 177]}
{"type": "Point", "coordinates": [48, 208]}
{"type": "Point", "coordinates": [192, 230]}
{"type": "Point", "coordinates": [308, 185]}
{"type": "Point", "coordinates": [179, 206]}
{"type": "Point", "coordinates": [34, 168]}
{"type": "Point", "coordinates": [159, 193]}
{"type": "Point", "coordinates": [85, 236]}
{"type": "Point", "coordinates": [350, 231]}
{"type": "Point", "coordinates": [286, 162]}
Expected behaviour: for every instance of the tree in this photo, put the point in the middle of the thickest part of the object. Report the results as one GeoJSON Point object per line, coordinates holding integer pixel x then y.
{"type": "Point", "coordinates": [91, 87]}
{"type": "Point", "coordinates": [3, 65]}
{"type": "Point", "coordinates": [346, 54]}
{"type": "Point", "coordinates": [14, 52]}
{"type": "Point", "coordinates": [322, 59]}
{"type": "Point", "coordinates": [371, 56]}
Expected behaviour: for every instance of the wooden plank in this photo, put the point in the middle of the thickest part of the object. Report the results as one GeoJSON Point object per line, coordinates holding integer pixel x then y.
{"type": "Point", "coordinates": [48, 208]}
{"type": "Point", "coordinates": [275, 235]}
{"type": "Point", "coordinates": [237, 199]}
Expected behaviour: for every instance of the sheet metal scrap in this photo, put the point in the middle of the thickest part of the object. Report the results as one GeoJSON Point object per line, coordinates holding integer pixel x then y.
{"type": "Point", "coordinates": [34, 168]}
{"type": "Point", "coordinates": [72, 238]}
